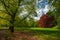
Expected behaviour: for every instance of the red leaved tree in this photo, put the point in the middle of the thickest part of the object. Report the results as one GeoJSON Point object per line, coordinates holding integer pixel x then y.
{"type": "Point", "coordinates": [46, 21]}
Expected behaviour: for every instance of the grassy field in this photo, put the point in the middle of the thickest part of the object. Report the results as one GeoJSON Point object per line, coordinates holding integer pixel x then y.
{"type": "Point", "coordinates": [39, 33]}
{"type": "Point", "coordinates": [45, 33]}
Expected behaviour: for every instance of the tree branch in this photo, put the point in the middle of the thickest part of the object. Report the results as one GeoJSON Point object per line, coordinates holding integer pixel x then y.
{"type": "Point", "coordinates": [25, 17]}
{"type": "Point", "coordinates": [17, 8]}
{"type": "Point", "coordinates": [5, 6]}
{"type": "Point", "coordinates": [4, 12]}
{"type": "Point", "coordinates": [4, 19]}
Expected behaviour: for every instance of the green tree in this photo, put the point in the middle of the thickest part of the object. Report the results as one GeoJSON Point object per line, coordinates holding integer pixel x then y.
{"type": "Point", "coordinates": [12, 8]}
{"type": "Point", "coordinates": [56, 11]}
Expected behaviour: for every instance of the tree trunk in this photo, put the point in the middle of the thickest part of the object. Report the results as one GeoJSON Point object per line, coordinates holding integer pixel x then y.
{"type": "Point", "coordinates": [11, 28]}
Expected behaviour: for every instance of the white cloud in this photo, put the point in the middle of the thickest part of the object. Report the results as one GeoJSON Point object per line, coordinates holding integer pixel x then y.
{"type": "Point", "coordinates": [38, 1]}
{"type": "Point", "coordinates": [41, 11]}
{"type": "Point", "coordinates": [23, 14]}
{"type": "Point", "coordinates": [46, 9]}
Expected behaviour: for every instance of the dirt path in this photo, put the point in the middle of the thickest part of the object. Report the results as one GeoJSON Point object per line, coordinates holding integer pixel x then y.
{"type": "Point", "coordinates": [3, 34]}
{"type": "Point", "coordinates": [25, 36]}
{"type": "Point", "coordinates": [17, 36]}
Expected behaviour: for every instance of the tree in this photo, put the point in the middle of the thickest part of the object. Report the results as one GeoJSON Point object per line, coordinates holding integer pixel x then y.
{"type": "Point", "coordinates": [46, 21]}
{"type": "Point", "coordinates": [56, 11]}
{"type": "Point", "coordinates": [13, 7]}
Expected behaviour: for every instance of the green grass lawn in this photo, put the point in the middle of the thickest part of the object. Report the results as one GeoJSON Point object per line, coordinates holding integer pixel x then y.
{"type": "Point", "coordinates": [45, 33]}
{"type": "Point", "coordinates": [48, 31]}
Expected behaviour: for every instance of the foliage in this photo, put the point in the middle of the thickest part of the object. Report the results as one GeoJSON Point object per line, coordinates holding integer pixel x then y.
{"type": "Point", "coordinates": [46, 21]}
{"type": "Point", "coordinates": [56, 12]}
{"type": "Point", "coordinates": [11, 10]}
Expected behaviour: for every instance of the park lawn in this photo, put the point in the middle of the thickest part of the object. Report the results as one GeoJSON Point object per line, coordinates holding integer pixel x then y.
{"type": "Point", "coordinates": [44, 33]}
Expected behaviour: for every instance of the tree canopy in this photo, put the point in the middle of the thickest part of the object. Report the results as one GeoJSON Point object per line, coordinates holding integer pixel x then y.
{"type": "Point", "coordinates": [10, 11]}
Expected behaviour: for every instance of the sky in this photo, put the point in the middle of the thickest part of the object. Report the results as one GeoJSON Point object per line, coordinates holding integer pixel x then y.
{"type": "Point", "coordinates": [42, 8]}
